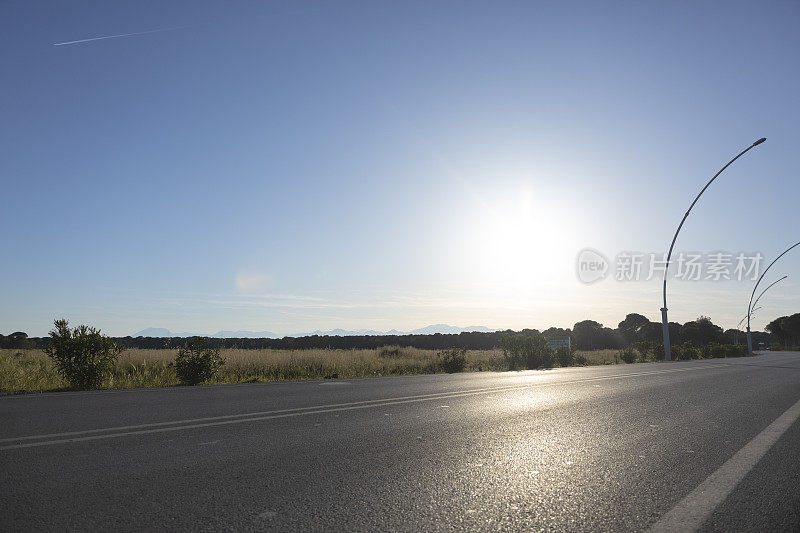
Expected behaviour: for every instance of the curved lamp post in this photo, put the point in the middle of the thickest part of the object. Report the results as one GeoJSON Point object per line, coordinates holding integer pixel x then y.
{"type": "Point", "coordinates": [664, 321]}
{"type": "Point", "coordinates": [750, 305]}
{"type": "Point", "coordinates": [762, 293]}
{"type": "Point", "coordinates": [739, 325]}
{"type": "Point", "coordinates": [753, 310]}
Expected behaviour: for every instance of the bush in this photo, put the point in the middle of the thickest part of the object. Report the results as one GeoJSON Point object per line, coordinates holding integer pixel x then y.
{"type": "Point", "coordinates": [526, 351]}
{"type": "Point", "coordinates": [196, 362]}
{"type": "Point", "coordinates": [737, 350]}
{"type": "Point", "coordinates": [82, 355]}
{"type": "Point", "coordinates": [685, 352]}
{"type": "Point", "coordinates": [730, 350]}
{"type": "Point", "coordinates": [657, 351]}
{"type": "Point", "coordinates": [691, 352]}
{"type": "Point", "coordinates": [629, 355]}
{"type": "Point", "coordinates": [646, 349]}
{"type": "Point", "coordinates": [715, 350]}
{"type": "Point", "coordinates": [581, 360]}
{"type": "Point", "coordinates": [454, 360]}
{"type": "Point", "coordinates": [565, 356]}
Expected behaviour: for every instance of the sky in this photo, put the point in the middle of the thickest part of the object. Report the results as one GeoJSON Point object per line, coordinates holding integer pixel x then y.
{"type": "Point", "coordinates": [293, 166]}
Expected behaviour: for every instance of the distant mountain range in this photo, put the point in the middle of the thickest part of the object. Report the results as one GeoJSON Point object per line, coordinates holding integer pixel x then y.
{"type": "Point", "coordinates": [427, 330]}
{"type": "Point", "coordinates": [162, 332]}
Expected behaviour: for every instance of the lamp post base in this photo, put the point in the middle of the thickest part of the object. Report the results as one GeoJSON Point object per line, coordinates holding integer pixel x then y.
{"type": "Point", "coordinates": [665, 327]}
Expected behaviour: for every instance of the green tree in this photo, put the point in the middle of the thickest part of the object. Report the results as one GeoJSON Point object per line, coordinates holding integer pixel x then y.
{"type": "Point", "coordinates": [634, 328]}
{"type": "Point", "coordinates": [587, 334]}
{"type": "Point", "coordinates": [18, 340]}
{"type": "Point", "coordinates": [591, 335]}
{"type": "Point", "coordinates": [786, 329]}
{"type": "Point", "coordinates": [701, 332]}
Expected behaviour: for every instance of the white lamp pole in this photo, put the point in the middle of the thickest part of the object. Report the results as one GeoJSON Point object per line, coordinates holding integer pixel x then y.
{"type": "Point", "coordinates": [750, 314]}
{"type": "Point", "coordinates": [750, 305]}
{"type": "Point", "coordinates": [765, 290]}
{"type": "Point", "coordinates": [664, 320]}
{"type": "Point", "coordinates": [739, 325]}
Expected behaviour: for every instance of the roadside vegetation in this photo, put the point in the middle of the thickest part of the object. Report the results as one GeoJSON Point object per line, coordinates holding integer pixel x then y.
{"type": "Point", "coordinates": [197, 362]}
{"type": "Point", "coordinates": [81, 355]}
{"type": "Point", "coordinates": [31, 370]}
{"type": "Point", "coordinates": [81, 358]}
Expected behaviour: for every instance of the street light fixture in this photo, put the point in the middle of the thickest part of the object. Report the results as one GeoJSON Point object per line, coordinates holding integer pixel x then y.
{"type": "Point", "coordinates": [753, 310]}
{"type": "Point", "coordinates": [765, 290]}
{"type": "Point", "coordinates": [739, 325]}
{"type": "Point", "coordinates": [664, 321]}
{"type": "Point", "coordinates": [750, 305]}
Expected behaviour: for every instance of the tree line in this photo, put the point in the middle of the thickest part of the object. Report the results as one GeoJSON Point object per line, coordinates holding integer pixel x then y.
{"type": "Point", "coordinates": [786, 329]}
{"type": "Point", "coordinates": [584, 335]}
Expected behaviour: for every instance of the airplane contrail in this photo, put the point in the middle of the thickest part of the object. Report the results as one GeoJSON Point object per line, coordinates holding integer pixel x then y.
{"type": "Point", "coordinates": [120, 35]}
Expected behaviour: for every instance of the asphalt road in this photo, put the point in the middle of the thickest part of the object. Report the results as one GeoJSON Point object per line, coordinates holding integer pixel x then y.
{"type": "Point", "coordinates": [683, 445]}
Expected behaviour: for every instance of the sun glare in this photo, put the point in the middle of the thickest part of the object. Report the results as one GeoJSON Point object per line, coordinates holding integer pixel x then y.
{"type": "Point", "coordinates": [520, 242]}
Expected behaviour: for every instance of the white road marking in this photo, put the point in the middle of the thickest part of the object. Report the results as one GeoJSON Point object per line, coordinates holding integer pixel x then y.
{"type": "Point", "coordinates": [177, 425]}
{"type": "Point", "coordinates": [692, 511]}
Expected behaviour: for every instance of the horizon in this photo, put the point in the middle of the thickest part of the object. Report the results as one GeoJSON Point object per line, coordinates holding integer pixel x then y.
{"type": "Point", "coordinates": [290, 168]}
{"type": "Point", "coordinates": [429, 329]}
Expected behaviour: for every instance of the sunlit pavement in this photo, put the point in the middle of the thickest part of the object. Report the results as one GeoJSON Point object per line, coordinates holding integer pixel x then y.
{"type": "Point", "coordinates": [615, 447]}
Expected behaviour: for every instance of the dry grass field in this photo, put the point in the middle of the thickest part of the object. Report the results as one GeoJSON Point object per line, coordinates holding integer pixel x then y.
{"type": "Point", "coordinates": [32, 370]}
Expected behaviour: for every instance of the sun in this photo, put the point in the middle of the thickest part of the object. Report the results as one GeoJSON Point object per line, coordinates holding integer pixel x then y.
{"type": "Point", "coordinates": [520, 241]}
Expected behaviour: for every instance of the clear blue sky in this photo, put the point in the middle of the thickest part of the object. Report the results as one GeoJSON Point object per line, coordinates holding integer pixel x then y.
{"type": "Point", "coordinates": [295, 166]}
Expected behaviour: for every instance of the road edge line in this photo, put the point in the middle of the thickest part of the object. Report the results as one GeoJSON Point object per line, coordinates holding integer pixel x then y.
{"type": "Point", "coordinates": [693, 510]}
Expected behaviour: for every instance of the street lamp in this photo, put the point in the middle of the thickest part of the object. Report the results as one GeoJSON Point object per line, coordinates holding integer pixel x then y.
{"type": "Point", "coordinates": [664, 321]}
{"type": "Point", "coordinates": [753, 310]}
{"type": "Point", "coordinates": [750, 305]}
{"type": "Point", "coordinates": [765, 290]}
{"type": "Point", "coordinates": [739, 325]}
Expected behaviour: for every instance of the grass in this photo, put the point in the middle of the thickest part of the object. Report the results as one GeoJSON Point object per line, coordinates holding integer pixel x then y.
{"type": "Point", "coordinates": [32, 370]}
{"type": "Point", "coordinates": [600, 357]}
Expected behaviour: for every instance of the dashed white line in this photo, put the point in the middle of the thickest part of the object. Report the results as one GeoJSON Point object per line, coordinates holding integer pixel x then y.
{"type": "Point", "coordinates": [177, 425]}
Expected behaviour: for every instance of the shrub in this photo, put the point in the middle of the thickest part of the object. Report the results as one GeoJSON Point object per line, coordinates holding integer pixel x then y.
{"type": "Point", "coordinates": [715, 350]}
{"type": "Point", "coordinates": [82, 355]}
{"type": "Point", "coordinates": [526, 351]}
{"type": "Point", "coordinates": [565, 356]}
{"type": "Point", "coordinates": [629, 355]}
{"type": "Point", "coordinates": [646, 349]}
{"type": "Point", "coordinates": [581, 360]}
{"type": "Point", "coordinates": [675, 352]}
{"type": "Point", "coordinates": [685, 351]}
{"type": "Point", "coordinates": [734, 350]}
{"type": "Point", "coordinates": [658, 351]}
{"type": "Point", "coordinates": [197, 362]}
{"type": "Point", "coordinates": [454, 360]}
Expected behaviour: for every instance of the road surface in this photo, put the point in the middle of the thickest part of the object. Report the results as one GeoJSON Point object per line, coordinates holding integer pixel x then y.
{"type": "Point", "coordinates": [710, 445]}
